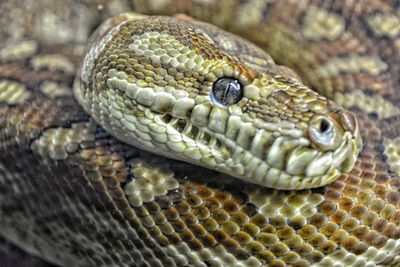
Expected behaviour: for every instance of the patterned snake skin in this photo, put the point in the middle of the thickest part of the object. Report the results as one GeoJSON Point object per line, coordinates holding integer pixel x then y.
{"type": "Point", "coordinates": [76, 190]}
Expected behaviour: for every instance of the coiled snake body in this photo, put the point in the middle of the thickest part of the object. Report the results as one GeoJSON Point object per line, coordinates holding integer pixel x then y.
{"type": "Point", "coordinates": [190, 146]}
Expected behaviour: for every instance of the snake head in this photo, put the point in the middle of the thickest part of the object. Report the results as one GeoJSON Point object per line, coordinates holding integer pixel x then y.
{"type": "Point", "coordinates": [190, 91]}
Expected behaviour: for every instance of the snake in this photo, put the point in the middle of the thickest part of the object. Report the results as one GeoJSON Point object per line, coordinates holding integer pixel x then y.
{"type": "Point", "coordinates": [201, 132]}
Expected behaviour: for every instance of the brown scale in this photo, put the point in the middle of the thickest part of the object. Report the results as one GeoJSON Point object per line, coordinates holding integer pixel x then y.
{"type": "Point", "coordinates": [237, 241]}
{"type": "Point", "coordinates": [21, 70]}
{"type": "Point", "coordinates": [30, 77]}
{"type": "Point", "coordinates": [57, 191]}
{"type": "Point", "coordinates": [384, 48]}
{"type": "Point", "coordinates": [33, 117]}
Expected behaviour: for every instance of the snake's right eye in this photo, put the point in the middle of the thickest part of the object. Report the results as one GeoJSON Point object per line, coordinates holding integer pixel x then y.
{"type": "Point", "coordinates": [226, 92]}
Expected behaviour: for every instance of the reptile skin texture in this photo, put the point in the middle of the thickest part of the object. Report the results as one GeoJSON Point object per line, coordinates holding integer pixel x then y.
{"type": "Point", "coordinates": [77, 190]}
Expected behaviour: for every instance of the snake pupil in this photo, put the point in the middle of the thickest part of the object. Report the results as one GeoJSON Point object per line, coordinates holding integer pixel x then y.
{"type": "Point", "coordinates": [226, 92]}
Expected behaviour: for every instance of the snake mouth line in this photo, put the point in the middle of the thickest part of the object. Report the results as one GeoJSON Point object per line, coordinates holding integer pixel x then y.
{"type": "Point", "coordinates": [279, 162]}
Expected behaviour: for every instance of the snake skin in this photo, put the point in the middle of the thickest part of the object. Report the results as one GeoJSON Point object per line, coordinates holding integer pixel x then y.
{"type": "Point", "coordinates": [74, 195]}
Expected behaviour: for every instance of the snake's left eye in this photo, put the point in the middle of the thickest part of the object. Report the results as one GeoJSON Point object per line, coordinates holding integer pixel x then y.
{"type": "Point", "coordinates": [226, 92]}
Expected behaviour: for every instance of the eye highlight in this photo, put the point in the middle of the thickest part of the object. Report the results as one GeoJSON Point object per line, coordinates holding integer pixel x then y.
{"type": "Point", "coordinates": [226, 92]}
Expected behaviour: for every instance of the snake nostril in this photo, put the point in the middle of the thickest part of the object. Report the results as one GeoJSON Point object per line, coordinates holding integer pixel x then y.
{"type": "Point", "coordinates": [324, 133]}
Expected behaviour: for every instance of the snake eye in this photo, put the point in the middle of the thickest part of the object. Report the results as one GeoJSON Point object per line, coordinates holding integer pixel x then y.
{"type": "Point", "coordinates": [226, 92]}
